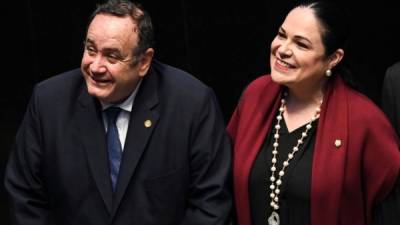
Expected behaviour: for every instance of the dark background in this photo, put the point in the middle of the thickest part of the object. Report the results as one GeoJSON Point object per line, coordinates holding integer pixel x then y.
{"type": "Point", "coordinates": [224, 44]}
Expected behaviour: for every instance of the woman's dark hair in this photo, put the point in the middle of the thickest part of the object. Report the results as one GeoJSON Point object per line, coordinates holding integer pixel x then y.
{"type": "Point", "coordinates": [123, 8]}
{"type": "Point", "coordinates": [335, 33]}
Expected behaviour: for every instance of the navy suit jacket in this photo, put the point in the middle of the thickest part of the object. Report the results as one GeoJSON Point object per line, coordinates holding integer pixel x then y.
{"type": "Point", "coordinates": [177, 171]}
{"type": "Point", "coordinates": [391, 95]}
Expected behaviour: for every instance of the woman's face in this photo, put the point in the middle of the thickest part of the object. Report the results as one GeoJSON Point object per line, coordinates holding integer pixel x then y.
{"type": "Point", "coordinates": [297, 52]}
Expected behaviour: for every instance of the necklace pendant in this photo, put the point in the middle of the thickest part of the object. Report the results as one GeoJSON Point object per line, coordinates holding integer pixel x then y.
{"type": "Point", "coordinates": [273, 219]}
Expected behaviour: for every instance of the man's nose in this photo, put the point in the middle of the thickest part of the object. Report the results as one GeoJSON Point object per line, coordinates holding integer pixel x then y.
{"type": "Point", "coordinates": [98, 65]}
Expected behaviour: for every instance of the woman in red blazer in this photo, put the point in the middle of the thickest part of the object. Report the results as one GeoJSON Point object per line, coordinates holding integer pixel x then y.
{"type": "Point", "coordinates": [308, 149]}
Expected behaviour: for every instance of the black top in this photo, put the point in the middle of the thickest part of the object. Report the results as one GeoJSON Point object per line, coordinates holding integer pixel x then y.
{"type": "Point", "coordinates": [294, 199]}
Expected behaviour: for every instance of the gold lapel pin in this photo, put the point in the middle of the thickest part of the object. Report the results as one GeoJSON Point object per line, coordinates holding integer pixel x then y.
{"type": "Point", "coordinates": [147, 123]}
{"type": "Point", "coordinates": [338, 143]}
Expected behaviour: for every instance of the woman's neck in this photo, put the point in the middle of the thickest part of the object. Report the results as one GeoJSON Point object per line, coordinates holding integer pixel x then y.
{"type": "Point", "coordinates": [307, 94]}
{"type": "Point", "coordinates": [301, 105]}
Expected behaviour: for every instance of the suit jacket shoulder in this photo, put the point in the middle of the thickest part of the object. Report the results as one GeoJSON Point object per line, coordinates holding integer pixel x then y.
{"type": "Point", "coordinates": [391, 95]}
{"type": "Point", "coordinates": [393, 70]}
{"type": "Point", "coordinates": [176, 83]}
{"type": "Point", "coordinates": [60, 91]}
{"type": "Point", "coordinates": [61, 84]}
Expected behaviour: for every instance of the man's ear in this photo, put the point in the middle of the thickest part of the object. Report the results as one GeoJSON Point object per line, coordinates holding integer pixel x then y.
{"type": "Point", "coordinates": [145, 62]}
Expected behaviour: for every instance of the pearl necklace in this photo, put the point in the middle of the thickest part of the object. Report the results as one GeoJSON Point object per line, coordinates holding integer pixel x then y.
{"type": "Point", "coordinates": [274, 219]}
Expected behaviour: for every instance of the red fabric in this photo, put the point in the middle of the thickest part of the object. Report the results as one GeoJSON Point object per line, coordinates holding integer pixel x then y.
{"type": "Point", "coordinates": [346, 181]}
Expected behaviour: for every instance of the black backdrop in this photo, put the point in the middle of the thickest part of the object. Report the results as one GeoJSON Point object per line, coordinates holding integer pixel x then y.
{"type": "Point", "coordinates": [224, 44]}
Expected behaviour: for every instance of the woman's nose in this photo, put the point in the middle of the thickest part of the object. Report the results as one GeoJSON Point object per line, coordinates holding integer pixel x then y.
{"type": "Point", "coordinates": [285, 50]}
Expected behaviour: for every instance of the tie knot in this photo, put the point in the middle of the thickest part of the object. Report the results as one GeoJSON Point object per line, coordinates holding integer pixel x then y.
{"type": "Point", "coordinates": [112, 114]}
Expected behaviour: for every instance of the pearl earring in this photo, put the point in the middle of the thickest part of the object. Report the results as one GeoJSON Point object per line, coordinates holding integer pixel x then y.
{"type": "Point", "coordinates": [328, 72]}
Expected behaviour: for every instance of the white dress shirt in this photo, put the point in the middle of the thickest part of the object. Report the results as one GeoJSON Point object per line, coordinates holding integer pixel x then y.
{"type": "Point", "coordinates": [124, 115]}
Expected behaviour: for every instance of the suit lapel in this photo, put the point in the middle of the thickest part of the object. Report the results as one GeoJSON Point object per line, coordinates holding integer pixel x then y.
{"type": "Point", "coordinates": [93, 137]}
{"type": "Point", "coordinates": [143, 120]}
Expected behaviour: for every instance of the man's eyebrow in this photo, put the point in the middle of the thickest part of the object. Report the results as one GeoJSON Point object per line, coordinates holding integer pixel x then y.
{"type": "Point", "coordinates": [112, 50]}
{"type": "Point", "coordinates": [88, 40]}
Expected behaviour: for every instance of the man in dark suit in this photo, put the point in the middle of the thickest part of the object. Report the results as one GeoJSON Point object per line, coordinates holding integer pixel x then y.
{"type": "Point", "coordinates": [122, 140]}
{"type": "Point", "coordinates": [391, 95]}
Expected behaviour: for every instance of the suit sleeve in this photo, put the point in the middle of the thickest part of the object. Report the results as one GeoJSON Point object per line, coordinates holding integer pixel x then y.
{"type": "Point", "coordinates": [23, 178]}
{"type": "Point", "coordinates": [381, 168]}
{"type": "Point", "coordinates": [209, 200]}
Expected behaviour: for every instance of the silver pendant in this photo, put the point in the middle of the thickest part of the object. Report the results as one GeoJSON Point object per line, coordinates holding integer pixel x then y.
{"type": "Point", "coordinates": [273, 219]}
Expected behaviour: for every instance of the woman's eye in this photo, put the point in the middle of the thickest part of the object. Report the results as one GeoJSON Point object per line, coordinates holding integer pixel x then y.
{"type": "Point", "coordinates": [302, 45]}
{"type": "Point", "coordinates": [281, 35]}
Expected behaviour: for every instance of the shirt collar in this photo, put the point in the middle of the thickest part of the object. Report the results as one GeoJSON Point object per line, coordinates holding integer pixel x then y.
{"type": "Point", "coordinates": [125, 105]}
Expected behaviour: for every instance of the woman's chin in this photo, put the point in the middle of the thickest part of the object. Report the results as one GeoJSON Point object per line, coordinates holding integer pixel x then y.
{"type": "Point", "coordinates": [279, 78]}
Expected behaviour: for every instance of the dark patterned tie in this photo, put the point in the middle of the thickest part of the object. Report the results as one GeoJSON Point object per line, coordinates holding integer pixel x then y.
{"type": "Point", "coordinates": [113, 144]}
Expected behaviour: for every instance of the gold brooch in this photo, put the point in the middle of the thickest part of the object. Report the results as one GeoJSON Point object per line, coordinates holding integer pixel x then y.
{"type": "Point", "coordinates": [147, 123]}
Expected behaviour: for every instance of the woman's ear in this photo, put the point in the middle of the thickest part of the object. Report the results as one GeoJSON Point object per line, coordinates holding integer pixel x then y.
{"type": "Point", "coordinates": [336, 57]}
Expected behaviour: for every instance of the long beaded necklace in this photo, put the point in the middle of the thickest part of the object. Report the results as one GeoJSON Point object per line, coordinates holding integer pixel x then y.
{"type": "Point", "coordinates": [274, 219]}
